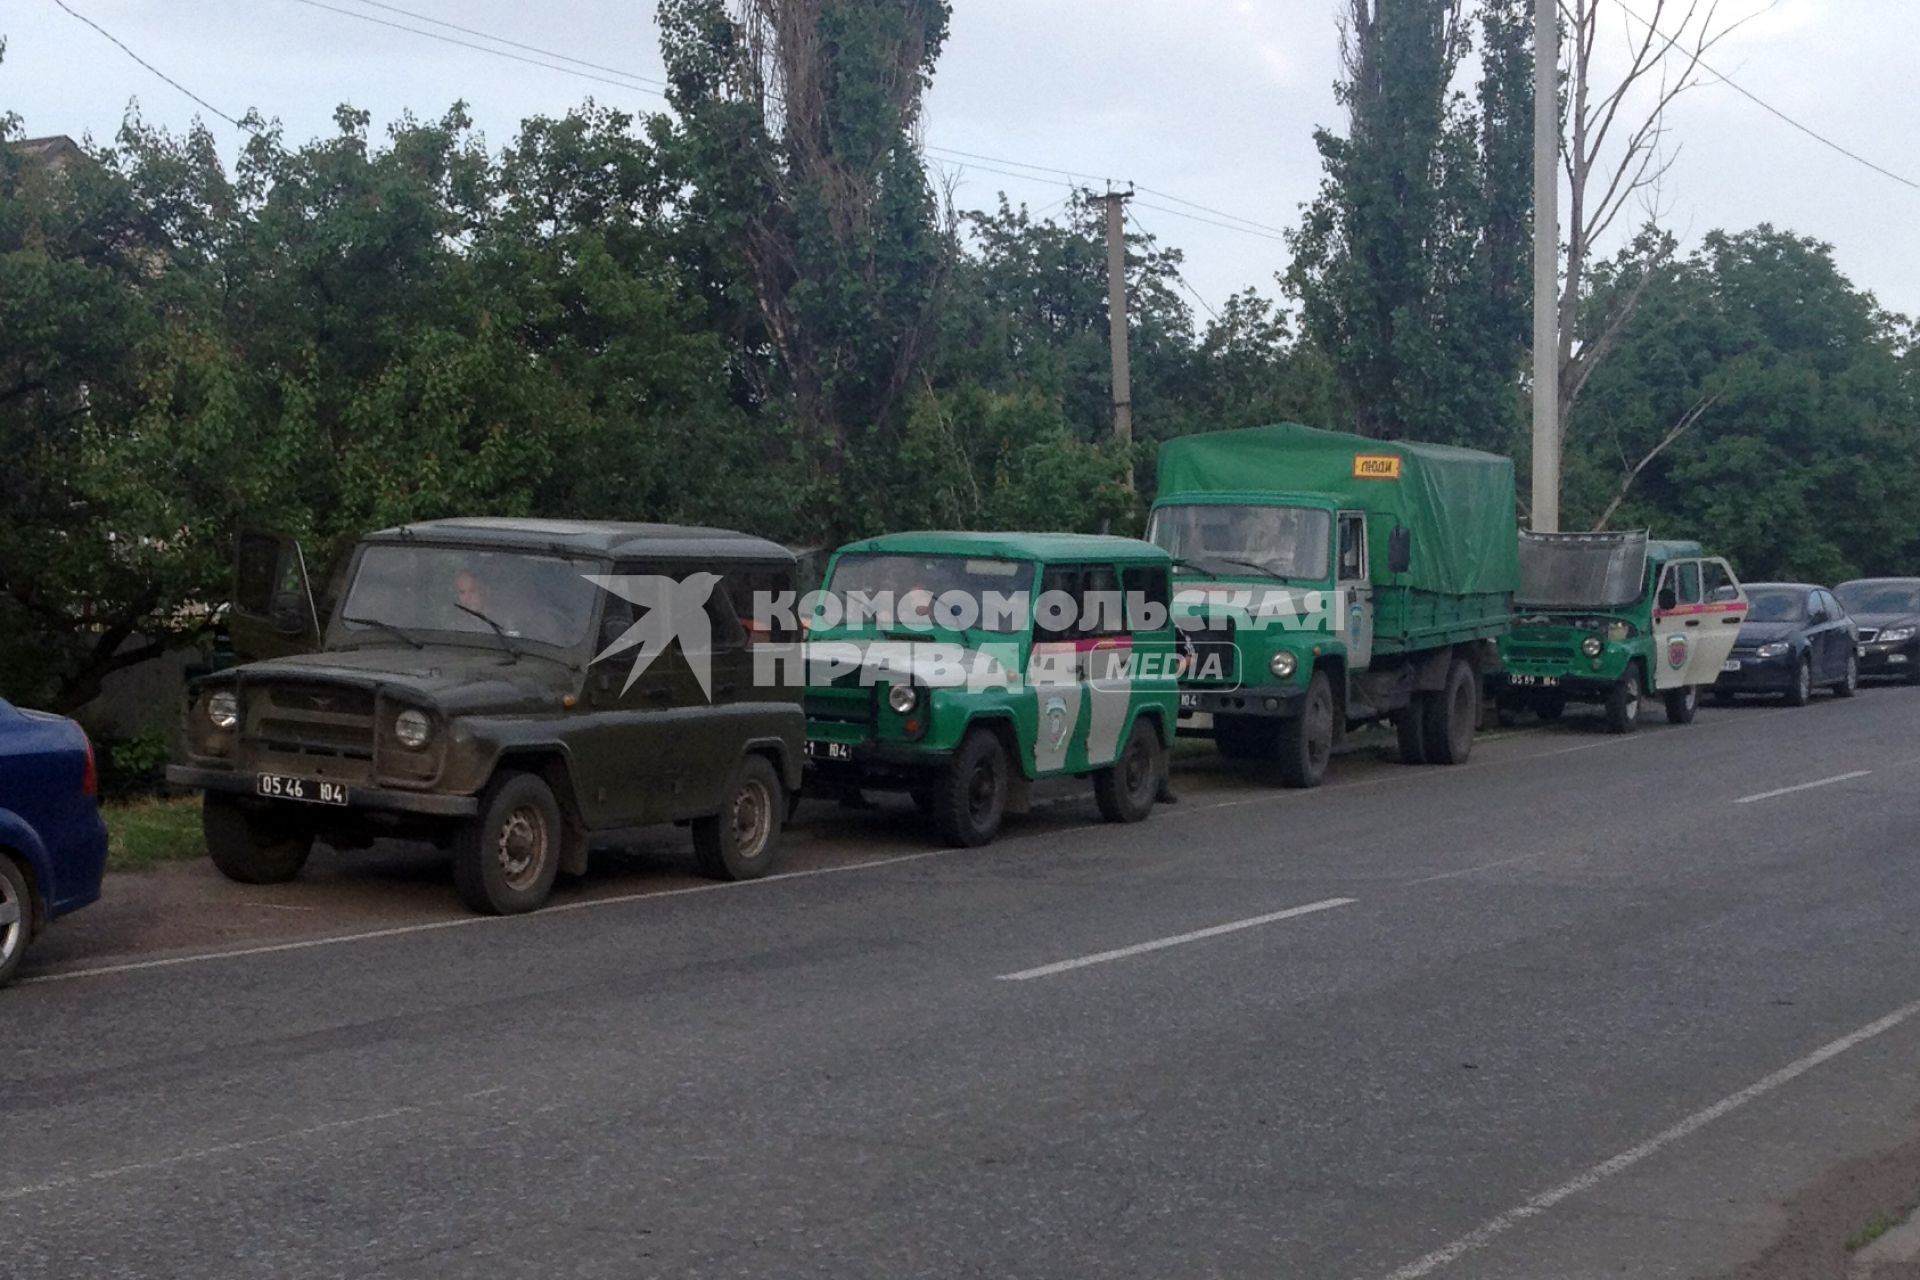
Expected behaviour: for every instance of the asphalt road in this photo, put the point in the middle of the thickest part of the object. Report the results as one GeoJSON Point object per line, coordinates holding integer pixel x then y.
{"type": "Point", "coordinates": [1588, 1006]}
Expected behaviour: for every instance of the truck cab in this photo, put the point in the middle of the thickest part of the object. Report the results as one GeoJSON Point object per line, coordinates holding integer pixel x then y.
{"type": "Point", "coordinates": [1324, 580]}
{"type": "Point", "coordinates": [961, 668]}
{"type": "Point", "coordinates": [1614, 618]}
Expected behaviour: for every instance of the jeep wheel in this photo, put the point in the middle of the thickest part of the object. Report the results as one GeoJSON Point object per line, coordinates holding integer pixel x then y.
{"type": "Point", "coordinates": [1452, 716]}
{"type": "Point", "coordinates": [505, 860]}
{"type": "Point", "coordinates": [970, 800]}
{"type": "Point", "coordinates": [1410, 727]}
{"type": "Point", "coordinates": [1623, 701]}
{"type": "Point", "coordinates": [1306, 741]}
{"type": "Point", "coordinates": [741, 841]}
{"type": "Point", "coordinates": [16, 918]}
{"type": "Point", "coordinates": [252, 847]}
{"type": "Point", "coordinates": [1126, 791]}
{"type": "Point", "coordinates": [1682, 703]}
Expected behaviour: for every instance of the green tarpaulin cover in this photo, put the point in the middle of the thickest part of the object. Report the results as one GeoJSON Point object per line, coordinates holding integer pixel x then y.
{"type": "Point", "coordinates": [1458, 504]}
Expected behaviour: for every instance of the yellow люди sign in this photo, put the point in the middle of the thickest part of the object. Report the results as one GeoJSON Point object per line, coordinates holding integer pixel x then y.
{"type": "Point", "coordinates": [1374, 466]}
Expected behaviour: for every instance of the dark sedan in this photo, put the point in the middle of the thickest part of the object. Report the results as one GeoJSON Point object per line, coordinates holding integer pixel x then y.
{"type": "Point", "coordinates": [53, 845]}
{"type": "Point", "coordinates": [1887, 611]}
{"type": "Point", "coordinates": [1797, 638]}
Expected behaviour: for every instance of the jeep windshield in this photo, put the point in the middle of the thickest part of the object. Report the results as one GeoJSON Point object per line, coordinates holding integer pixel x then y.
{"type": "Point", "coordinates": [895, 590]}
{"type": "Point", "coordinates": [1581, 571]}
{"type": "Point", "coordinates": [1225, 539]}
{"type": "Point", "coordinates": [462, 594]}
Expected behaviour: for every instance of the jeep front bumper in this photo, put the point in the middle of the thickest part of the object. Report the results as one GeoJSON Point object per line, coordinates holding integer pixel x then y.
{"type": "Point", "coordinates": [360, 799]}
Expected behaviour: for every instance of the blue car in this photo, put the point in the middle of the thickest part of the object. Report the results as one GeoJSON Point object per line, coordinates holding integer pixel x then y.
{"type": "Point", "coordinates": [53, 845]}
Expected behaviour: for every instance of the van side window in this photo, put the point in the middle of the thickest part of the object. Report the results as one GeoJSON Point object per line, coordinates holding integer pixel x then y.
{"type": "Point", "coordinates": [1687, 580]}
{"type": "Point", "coordinates": [1717, 581]}
{"type": "Point", "coordinates": [1353, 547]}
{"type": "Point", "coordinates": [1102, 607]}
{"type": "Point", "coordinates": [1065, 579]}
{"type": "Point", "coordinates": [723, 625]}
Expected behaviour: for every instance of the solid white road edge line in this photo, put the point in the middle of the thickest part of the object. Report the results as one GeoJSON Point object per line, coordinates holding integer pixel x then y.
{"type": "Point", "coordinates": [1484, 1234]}
{"type": "Point", "coordinates": [1160, 944]}
{"type": "Point", "coordinates": [1805, 786]}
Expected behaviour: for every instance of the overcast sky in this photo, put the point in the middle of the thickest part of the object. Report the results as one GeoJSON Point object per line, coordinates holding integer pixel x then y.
{"type": "Point", "coordinates": [1207, 101]}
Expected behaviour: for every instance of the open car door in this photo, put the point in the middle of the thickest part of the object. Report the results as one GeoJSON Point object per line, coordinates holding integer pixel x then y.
{"type": "Point", "coordinates": [274, 611]}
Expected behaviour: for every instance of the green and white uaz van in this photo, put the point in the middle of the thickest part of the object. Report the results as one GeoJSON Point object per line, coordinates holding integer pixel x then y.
{"type": "Point", "coordinates": [961, 668]}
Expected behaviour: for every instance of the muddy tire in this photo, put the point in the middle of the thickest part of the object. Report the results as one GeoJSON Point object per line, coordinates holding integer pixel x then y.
{"type": "Point", "coordinates": [1452, 715]}
{"type": "Point", "coordinates": [742, 841]}
{"type": "Point", "coordinates": [1623, 701]}
{"type": "Point", "coordinates": [1682, 703]}
{"type": "Point", "coordinates": [1126, 791]}
{"type": "Point", "coordinates": [970, 799]}
{"type": "Point", "coordinates": [1306, 740]}
{"type": "Point", "coordinates": [252, 847]}
{"type": "Point", "coordinates": [506, 859]}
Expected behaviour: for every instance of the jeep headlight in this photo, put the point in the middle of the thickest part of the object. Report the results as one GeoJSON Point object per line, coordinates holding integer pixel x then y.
{"type": "Point", "coordinates": [1592, 646]}
{"type": "Point", "coordinates": [413, 729]}
{"type": "Point", "coordinates": [1284, 664]}
{"type": "Point", "coordinates": [1779, 649]}
{"type": "Point", "coordinates": [223, 709]}
{"type": "Point", "coordinates": [1897, 635]}
{"type": "Point", "coordinates": [903, 698]}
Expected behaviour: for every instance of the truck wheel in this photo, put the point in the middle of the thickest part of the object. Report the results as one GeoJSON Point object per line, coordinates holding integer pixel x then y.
{"type": "Point", "coordinates": [1243, 737]}
{"type": "Point", "coordinates": [16, 918]}
{"type": "Point", "coordinates": [1306, 740]}
{"type": "Point", "coordinates": [970, 799]}
{"type": "Point", "coordinates": [1682, 703]}
{"type": "Point", "coordinates": [741, 841]}
{"type": "Point", "coordinates": [1410, 727]}
{"type": "Point", "coordinates": [252, 848]}
{"type": "Point", "coordinates": [505, 860]}
{"type": "Point", "coordinates": [1802, 691]}
{"type": "Point", "coordinates": [1126, 791]}
{"type": "Point", "coordinates": [1623, 701]}
{"type": "Point", "coordinates": [1850, 685]}
{"type": "Point", "coordinates": [1452, 715]}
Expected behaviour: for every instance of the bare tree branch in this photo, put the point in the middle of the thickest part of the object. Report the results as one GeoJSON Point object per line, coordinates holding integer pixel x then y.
{"type": "Point", "coordinates": [1680, 428]}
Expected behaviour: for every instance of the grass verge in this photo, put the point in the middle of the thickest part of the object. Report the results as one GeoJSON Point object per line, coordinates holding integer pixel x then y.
{"type": "Point", "coordinates": [145, 833]}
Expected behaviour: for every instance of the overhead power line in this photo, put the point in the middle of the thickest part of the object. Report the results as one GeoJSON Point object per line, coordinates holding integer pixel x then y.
{"type": "Point", "coordinates": [1772, 110]}
{"type": "Point", "coordinates": [515, 44]}
{"type": "Point", "coordinates": [1177, 275]}
{"type": "Point", "coordinates": [122, 46]}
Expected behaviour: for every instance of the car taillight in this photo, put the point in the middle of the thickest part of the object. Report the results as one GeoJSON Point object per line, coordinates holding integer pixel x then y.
{"type": "Point", "coordinates": [90, 779]}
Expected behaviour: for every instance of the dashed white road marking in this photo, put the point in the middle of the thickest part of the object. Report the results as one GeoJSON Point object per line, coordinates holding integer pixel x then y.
{"type": "Point", "coordinates": [1161, 944]}
{"type": "Point", "coordinates": [1805, 786]}
{"type": "Point", "coordinates": [1493, 1228]}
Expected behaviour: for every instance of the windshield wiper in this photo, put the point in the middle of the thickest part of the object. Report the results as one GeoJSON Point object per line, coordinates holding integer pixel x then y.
{"type": "Point", "coordinates": [387, 627]}
{"type": "Point", "coordinates": [1263, 570]}
{"type": "Point", "coordinates": [498, 630]}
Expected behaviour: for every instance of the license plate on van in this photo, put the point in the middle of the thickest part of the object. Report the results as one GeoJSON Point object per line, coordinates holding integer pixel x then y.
{"type": "Point", "coordinates": [277, 786]}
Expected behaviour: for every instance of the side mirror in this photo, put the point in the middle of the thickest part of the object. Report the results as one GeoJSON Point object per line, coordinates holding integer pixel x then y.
{"type": "Point", "coordinates": [288, 614]}
{"type": "Point", "coordinates": [1668, 600]}
{"type": "Point", "coordinates": [1400, 550]}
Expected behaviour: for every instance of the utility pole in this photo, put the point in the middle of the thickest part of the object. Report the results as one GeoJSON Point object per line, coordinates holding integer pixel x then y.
{"type": "Point", "coordinates": [1116, 202]}
{"type": "Point", "coordinates": [1546, 267]}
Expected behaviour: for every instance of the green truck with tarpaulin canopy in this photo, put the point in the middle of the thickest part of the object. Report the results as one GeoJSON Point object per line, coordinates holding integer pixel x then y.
{"type": "Point", "coordinates": [1325, 579]}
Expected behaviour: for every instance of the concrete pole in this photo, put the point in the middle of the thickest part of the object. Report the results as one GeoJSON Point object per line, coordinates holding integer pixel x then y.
{"type": "Point", "coordinates": [1546, 267]}
{"type": "Point", "coordinates": [1117, 314]}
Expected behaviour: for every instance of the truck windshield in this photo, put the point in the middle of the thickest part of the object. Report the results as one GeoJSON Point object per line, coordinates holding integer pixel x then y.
{"type": "Point", "coordinates": [1581, 571]}
{"type": "Point", "coordinates": [897, 588]}
{"type": "Point", "coordinates": [1223, 538]}
{"type": "Point", "coordinates": [415, 589]}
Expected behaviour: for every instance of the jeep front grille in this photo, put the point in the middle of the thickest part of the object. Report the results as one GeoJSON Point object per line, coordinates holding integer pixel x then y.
{"type": "Point", "coordinates": [307, 729]}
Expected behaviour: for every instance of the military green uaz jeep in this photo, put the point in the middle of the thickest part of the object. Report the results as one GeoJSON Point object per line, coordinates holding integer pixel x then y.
{"type": "Point", "coordinates": [963, 667]}
{"type": "Point", "coordinates": [513, 690]}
